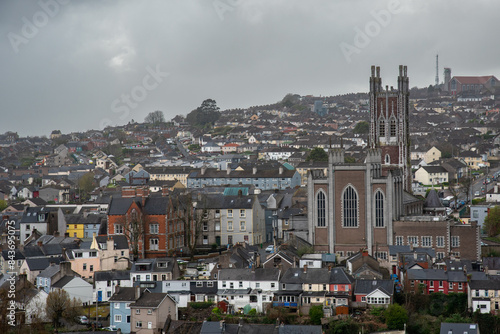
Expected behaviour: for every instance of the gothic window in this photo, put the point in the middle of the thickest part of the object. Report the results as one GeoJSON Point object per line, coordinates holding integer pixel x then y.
{"type": "Point", "coordinates": [321, 205]}
{"type": "Point", "coordinates": [393, 127]}
{"type": "Point", "coordinates": [387, 159]}
{"type": "Point", "coordinates": [350, 207]}
{"type": "Point", "coordinates": [379, 209]}
{"type": "Point", "coordinates": [381, 128]}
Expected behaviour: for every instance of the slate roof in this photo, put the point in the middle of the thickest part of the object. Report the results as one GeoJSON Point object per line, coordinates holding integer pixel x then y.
{"type": "Point", "coordinates": [41, 263]}
{"type": "Point", "coordinates": [49, 271]}
{"type": "Point", "coordinates": [364, 287]}
{"type": "Point", "coordinates": [458, 328]}
{"type": "Point", "coordinates": [62, 282]}
{"type": "Point", "coordinates": [432, 200]}
{"type": "Point", "coordinates": [156, 205]}
{"type": "Point", "coordinates": [149, 299]}
{"type": "Point", "coordinates": [260, 274]}
{"type": "Point", "coordinates": [17, 255]}
{"type": "Point", "coordinates": [152, 265]}
{"type": "Point", "coordinates": [120, 205]}
{"type": "Point", "coordinates": [485, 284]}
{"type": "Point", "coordinates": [125, 294]}
{"type": "Point", "coordinates": [120, 241]}
{"type": "Point", "coordinates": [80, 219]}
{"type": "Point", "coordinates": [491, 262]}
{"type": "Point", "coordinates": [427, 274]}
{"type": "Point", "coordinates": [312, 276]}
{"type": "Point", "coordinates": [395, 249]}
{"type": "Point", "coordinates": [111, 275]}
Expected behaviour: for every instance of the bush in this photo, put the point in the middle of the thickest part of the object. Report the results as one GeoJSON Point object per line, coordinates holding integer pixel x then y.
{"type": "Point", "coordinates": [396, 316]}
{"type": "Point", "coordinates": [252, 312]}
{"type": "Point", "coordinates": [200, 305]}
{"type": "Point", "coordinates": [316, 313]}
{"type": "Point", "coordinates": [216, 311]}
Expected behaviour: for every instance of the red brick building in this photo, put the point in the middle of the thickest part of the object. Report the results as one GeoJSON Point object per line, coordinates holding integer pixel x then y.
{"type": "Point", "coordinates": [152, 224]}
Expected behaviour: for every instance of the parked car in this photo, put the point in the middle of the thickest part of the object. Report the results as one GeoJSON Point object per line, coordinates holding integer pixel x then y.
{"type": "Point", "coordinates": [270, 249]}
{"type": "Point", "coordinates": [111, 328]}
{"type": "Point", "coordinates": [81, 319]}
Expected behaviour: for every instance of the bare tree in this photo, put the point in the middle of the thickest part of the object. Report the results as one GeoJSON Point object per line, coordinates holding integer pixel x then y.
{"type": "Point", "coordinates": [60, 306]}
{"type": "Point", "coordinates": [155, 117]}
{"type": "Point", "coordinates": [133, 227]}
{"type": "Point", "coordinates": [455, 191]}
{"type": "Point", "coordinates": [193, 214]}
{"type": "Point", "coordinates": [466, 186]}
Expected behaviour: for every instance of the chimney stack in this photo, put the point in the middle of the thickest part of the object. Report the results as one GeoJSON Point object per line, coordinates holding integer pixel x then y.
{"type": "Point", "coordinates": [281, 170]}
{"type": "Point", "coordinates": [137, 292]}
{"type": "Point", "coordinates": [254, 170]}
{"type": "Point", "coordinates": [305, 268]}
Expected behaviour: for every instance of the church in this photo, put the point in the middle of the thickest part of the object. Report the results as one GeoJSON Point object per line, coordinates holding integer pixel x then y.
{"type": "Point", "coordinates": [369, 205]}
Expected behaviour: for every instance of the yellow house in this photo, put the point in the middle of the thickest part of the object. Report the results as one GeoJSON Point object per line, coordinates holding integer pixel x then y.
{"type": "Point", "coordinates": [473, 160]}
{"type": "Point", "coordinates": [75, 230]}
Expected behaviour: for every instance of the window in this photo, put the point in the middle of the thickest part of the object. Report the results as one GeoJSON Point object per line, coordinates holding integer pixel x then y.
{"type": "Point", "coordinates": [117, 305]}
{"type": "Point", "coordinates": [118, 229]}
{"type": "Point", "coordinates": [393, 127]}
{"type": "Point", "coordinates": [118, 318]}
{"type": "Point", "coordinates": [399, 241]}
{"type": "Point", "coordinates": [210, 284]}
{"type": "Point", "coordinates": [153, 228]}
{"type": "Point", "coordinates": [431, 284]}
{"type": "Point", "coordinates": [199, 284]}
{"type": "Point", "coordinates": [350, 207]}
{"type": "Point", "coordinates": [127, 306]}
{"type": "Point", "coordinates": [475, 214]}
{"type": "Point", "coordinates": [205, 239]}
{"type": "Point", "coordinates": [229, 225]}
{"type": "Point", "coordinates": [229, 213]}
{"type": "Point", "coordinates": [257, 285]}
{"type": "Point", "coordinates": [153, 244]}
{"type": "Point", "coordinates": [321, 209]}
{"type": "Point", "coordinates": [137, 311]}
{"type": "Point", "coordinates": [91, 267]}
{"type": "Point", "coordinates": [440, 255]}
{"type": "Point", "coordinates": [240, 284]}
{"type": "Point", "coordinates": [223, 284]}
{"type": "Point", "coordinates": [138, 324]}
{"type": "Point", "coordinates": [450, 285]}
{"type": "Point", "coordinates": [379, 209]}
{"type": "Point", "coordinates": [381, 255]}
{"type": "Point", "coordinates": [205, 226]}
{"type": "Point", "coordinates": [273, 285]}
{"type": "Point", "coordinates": [413, 241]}
{"type": "Point", "coordinates": [381, 130]}
{"type": "Point", "coordinates": [455, 241]}
{"type": "Point", "coordinates": [231, 285]}
{"type": "Point", "coordinates": [242, 213]}
{"type": "Point", "coordinates": [440, 284]}
{"type": "Point", "coordinates": [84, 266]}
{"type": "Point", "coordinates": [460, 286]}
{"type": "Point", "coordinates": [426, 241]}
{"type": "Point", "coordinates": [439, 241]}
{"type": "Point", "coordinates": [242, 225]}
{"type": "Point", "coordinates": [217, 226]}
{"type": "Point", "coordinates": [150, 311]}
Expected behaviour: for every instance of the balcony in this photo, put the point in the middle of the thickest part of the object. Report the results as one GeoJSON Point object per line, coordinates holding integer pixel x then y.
{"type": "Point", "coordinates": [285, 304]}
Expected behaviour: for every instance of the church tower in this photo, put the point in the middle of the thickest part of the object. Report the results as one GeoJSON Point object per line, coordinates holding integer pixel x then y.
{"type": "Point", "coordinates": [389, 121]}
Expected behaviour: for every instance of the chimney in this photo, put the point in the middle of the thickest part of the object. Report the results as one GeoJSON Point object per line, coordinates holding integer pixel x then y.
{"type": "Point", "coordinates": [56, 233]}
{"type": "Point", "coordinates": [22, 280]}
{"type": "Point", "coordinates": [364, 252]}
{"type": "Point", "coordinates": [228, 170]}
{"type": "Point", "coordinates": [254, 170]}
{"type": "Point", "coordinates": [137, 292]}
{"type": "Point", "coordinates": [39, 243]}
{"type": "Point", "coordinates": [66, 235]}
{"type": "Point", "coordinates": [65, 268]}
{"type": "Point", "coordinates": [240, 193]}
{"type": "Point", "coordinates": [305, 268]}
{"type": "Point", "coordinates": [281, 170]}
{"type": "Point", "coordinates": [329, 268]}
{"type": "Point", "coordinates": [495, 189]}
{"type": "Point", "coordinates": [117, 288]}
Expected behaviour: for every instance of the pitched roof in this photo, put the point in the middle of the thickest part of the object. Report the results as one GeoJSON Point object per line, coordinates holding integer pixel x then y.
{"type": "Point", "coordinates": [150, 299]}
{"type": "Point", "coordinates": [120, 205]}
{"type": "Point", "coordinates": [367, 286]}
{"type": "Point", "coordinates": [245, 274]}
{"type": "Point", "coordinates": [110, 275]}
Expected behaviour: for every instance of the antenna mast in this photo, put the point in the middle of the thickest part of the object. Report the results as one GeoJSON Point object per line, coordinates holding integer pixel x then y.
{"type": "Point", "coordinates": [437, 71]}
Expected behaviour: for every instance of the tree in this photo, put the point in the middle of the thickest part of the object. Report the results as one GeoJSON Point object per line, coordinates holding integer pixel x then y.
{"type": "Point", "coordinates": [3, 205]}
{"type": "Point", "coordinates": [193, 215]}
{"type": "Point", "coordinates": [155, 117]}
{"type": "Point", "coordinates": [396, 316]}
{"type": "Point", "coordinates": [492, 222]}
{"type": "Point", "coordinates": [362, 127]}
{"type": "Point", "coordinates": [316, 313]}
{"type": "Point", "coordinates": [344, 327]}
{"type": "Point", "coordinates": [86, 184]}
{"type": "Point", "coordinates": [60, 306]}
{"type": "Point", "coordinates": [133, 225]}
{"type": "Point", "coordinates": [455, 191]}
{"type": "Point", "coordinates": [466, 185]}
{"type": "Point", "coordinates": [205, 115]}
{"type": "Point", "coordinates": [317, 154]}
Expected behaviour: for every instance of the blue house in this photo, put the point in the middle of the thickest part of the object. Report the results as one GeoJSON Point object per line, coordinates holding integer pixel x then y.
{"type": "Point", "coordinates": [119, 307]}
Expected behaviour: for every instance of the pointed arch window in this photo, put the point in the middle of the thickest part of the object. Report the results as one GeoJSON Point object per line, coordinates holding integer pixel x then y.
{"type": "Point", "coordinates": [381, 126]}
{"type": "Point", "coordinates": [350, 207]}
{"type": "Point", "coordinates": [379, 209]}
{"type": "Point", "coordinates": [321, 209]}
{"type": "Point", "coordinates": [387, 159]}
{"type": "Point", "coordinates": [393, 127]}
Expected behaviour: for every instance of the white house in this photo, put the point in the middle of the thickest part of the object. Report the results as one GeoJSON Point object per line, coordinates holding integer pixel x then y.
{"type": "Point", "coordinates": [106, 282]}
{"type": "Point", "coordinates": [242, 287]}
{"type": "Point", "coordinates": [76, 288]}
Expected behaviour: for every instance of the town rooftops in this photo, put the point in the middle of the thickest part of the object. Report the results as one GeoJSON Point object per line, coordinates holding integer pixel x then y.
{"type": "Point", "coordinates": [260, 274]}
{"type": "Point", "coordinates": [150, 299]}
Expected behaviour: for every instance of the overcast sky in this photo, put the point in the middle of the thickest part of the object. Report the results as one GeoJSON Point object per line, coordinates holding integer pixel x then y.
{"type": "Point", "coordinates": [75, 65]}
